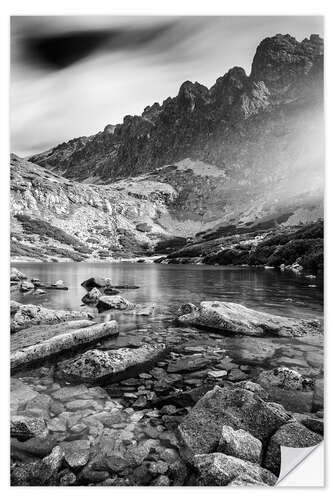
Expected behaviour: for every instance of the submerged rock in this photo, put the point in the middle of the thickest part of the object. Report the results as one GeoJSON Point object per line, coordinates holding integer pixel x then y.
{"type": "Point", "coordinates": [293, 435]}
{"type": "Point", "coordinates": [24, 428]}
{"type": "Point", "coordinates": [106, 302]}
{"type": "Point", "coordinates": [97, 365]}
{"type": "Point", "coordinates": [28, 314]}
{"type": "Point", "coordinates": [200, 430]}
{"type": "Point", "coordinates": [284, 378]}
{"type": "Point", "coordinates": [46, 347]}
{"type": "Point", "coordinates": [187, 364]}
{"type": "Point", "coordinates": [318, 395]}
{"type": "Point", "coordinates": [217, 469]}
{"type": "Point", "coordinates": [238, 319]}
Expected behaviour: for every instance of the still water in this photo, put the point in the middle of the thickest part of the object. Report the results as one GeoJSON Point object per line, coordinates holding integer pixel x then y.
{"type": "Point", "coordinates": [168, 286]}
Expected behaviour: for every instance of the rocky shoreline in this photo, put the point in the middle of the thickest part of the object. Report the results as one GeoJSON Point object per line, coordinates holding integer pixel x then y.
{"type": "Point", "coordinates": [169, 404]}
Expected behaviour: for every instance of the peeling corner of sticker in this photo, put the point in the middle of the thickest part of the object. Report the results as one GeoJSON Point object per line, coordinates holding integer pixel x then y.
{"type": "Point", "coordinates": [291, 458]}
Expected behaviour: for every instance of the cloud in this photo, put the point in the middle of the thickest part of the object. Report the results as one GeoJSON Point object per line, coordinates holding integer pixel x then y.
{"type": "Point", "coordinates": [72, 75]}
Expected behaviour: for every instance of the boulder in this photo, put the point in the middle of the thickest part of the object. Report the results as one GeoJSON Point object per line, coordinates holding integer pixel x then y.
{"type": "Point", "coordinates": [58, 343]}
{"type": "Point", "coordinates": [41, 473]}
{"type": "Point", "coordinates": [200, 430]}
{"type": "Point", "coordinates": [240, 444]}
{"type": "Point", "coordinates": [293, 435]}
{"type": "Point", "coordinates": [106, 302]}
{"type": "Point", "coordinates": [238, 319]}
{"type": "Point", "coordinates": [284, 378]}
{"type": "Point", "coordinates": [92, 296]}
{"type": "Point", "coordinates": [91, 283]}
{"type": "Point", "coordinates": [28, 314]}
{"type": "Point", "coordinates": [24, 428]}
{"type": "Point", "coordinates": [110, 366]}
{"type": "Point", "coordinates": [26, 286]}
{"type": "Point", "coordinates": [253, 387]}
{"type": "Point", "coordinates": [16, 275]}
{"type": "Point", "coordinates": [218, 469]}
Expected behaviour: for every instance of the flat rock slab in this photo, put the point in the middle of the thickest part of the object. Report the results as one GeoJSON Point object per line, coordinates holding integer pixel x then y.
{"type": "Point", "coordinates": [25, 315]}
{"type": "Point", "coordinates": [187, 364]}
{"type": "Point", "coordinates": [218, 469]}
{"type": "Point", "coordinates": [20, 394]}
{"type": "Point", "coordinates": [200, 431]}
{"type": "Point", "coordinates": [37, 334]}
{"type": "Point", "coordinates": [58, 343]}
{"type": "Point", "coordinates": [109, 366]}
{"type": "Point", "coordinates": [235, 318]}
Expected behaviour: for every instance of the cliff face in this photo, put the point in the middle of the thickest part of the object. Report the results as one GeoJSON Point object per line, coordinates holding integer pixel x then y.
{"type": "Point", "coordinates": [248, 149]}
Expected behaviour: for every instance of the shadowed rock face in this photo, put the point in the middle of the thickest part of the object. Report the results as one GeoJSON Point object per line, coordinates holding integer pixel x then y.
{"type": "Point", "coordinates": [238, 319]}
{"type": "Point", "coordinates": [200, 431]}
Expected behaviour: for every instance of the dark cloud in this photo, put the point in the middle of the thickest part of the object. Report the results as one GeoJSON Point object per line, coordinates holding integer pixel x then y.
{"type": "Point", "coordinates": [60, 50]}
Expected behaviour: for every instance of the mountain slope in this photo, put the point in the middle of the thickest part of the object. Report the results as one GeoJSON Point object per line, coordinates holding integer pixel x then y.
{"type": "Point", "coordinates": [247, 151]}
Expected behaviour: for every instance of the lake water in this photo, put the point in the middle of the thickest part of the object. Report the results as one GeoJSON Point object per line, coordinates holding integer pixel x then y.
{"type": "Point", "coordinates": [168, 286]}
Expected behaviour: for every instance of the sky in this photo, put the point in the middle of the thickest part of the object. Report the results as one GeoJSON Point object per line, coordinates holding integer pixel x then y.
{"type": "Point", "coordinates": [73, 75]}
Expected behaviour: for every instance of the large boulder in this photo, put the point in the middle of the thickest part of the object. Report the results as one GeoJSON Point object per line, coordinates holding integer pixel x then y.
{"type": "Point", "coordinates": [284, 378]}
{"type": "Point", "coordinates": [28, 314]}
{"type": "Point", "coordinates": [240, 444]}
{"type": "Point", "coordinates": [293, 435]}
{"type": "Point", "coordinates": [200, 431]}
{"type": "Point", "coordinates": [238, 319]}
{"type": "Point", "coordinates": [56, 343]}
{"type": "Point", "coordinates": [107, 302]}
{"type": "Point", "coordinates": [218, 469]}
{"type": "Point", "coordinates": [91, 283]}
{"type": "Point", "coordinates": [109, 366]}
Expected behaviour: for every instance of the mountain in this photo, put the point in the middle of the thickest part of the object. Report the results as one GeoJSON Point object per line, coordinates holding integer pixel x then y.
{"type": "Point", "coordinates": [247, 151]}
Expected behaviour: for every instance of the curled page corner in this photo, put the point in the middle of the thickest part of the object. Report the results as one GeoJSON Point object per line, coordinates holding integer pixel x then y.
{"type": "Point", "coordinates": [291, 458]}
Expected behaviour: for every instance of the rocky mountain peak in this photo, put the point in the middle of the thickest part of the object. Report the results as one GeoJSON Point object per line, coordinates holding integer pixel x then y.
{"type": "Point", "coordinates": [281, 61]}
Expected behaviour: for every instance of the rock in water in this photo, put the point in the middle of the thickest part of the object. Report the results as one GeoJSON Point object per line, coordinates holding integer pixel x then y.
{"type": "Point", "coordinates": [238, 319]}
{"type": "Point", "coordinates": [217, 469]}
{"type": "Point", "coordinates": [16, 275]}
{"type": "Point", "coordinates": [76, 452]}
{"type": "Point", "coordinates": [200, 431]}
{"type": "Point", "coordinates": [106, 302]}
{"type": "Point", "coordinates": [318, 395]}
{"type": "Point", "coordinates": [92, 296]}
{"type": "Point", "coordinates": [285, 378]}
{"type": "Point", "coordinates": [98, 366]}
{"type": "Point", "coordinates": [26, 286]}
{"type": "Point", "coordinates": [240, 444]}
{"type": "Point", "coordinates": [62, 342]}
{"type": "Point", "coordinates": [24, 428]}
{"type": "Point", "coordinates": [28, 314]}
{"type": "Point", "coordinates": [42, 473]}
{"type": "Point", "coordinates": [293, 435]}
{"type": "Point", "coordinates": [91, 283]}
